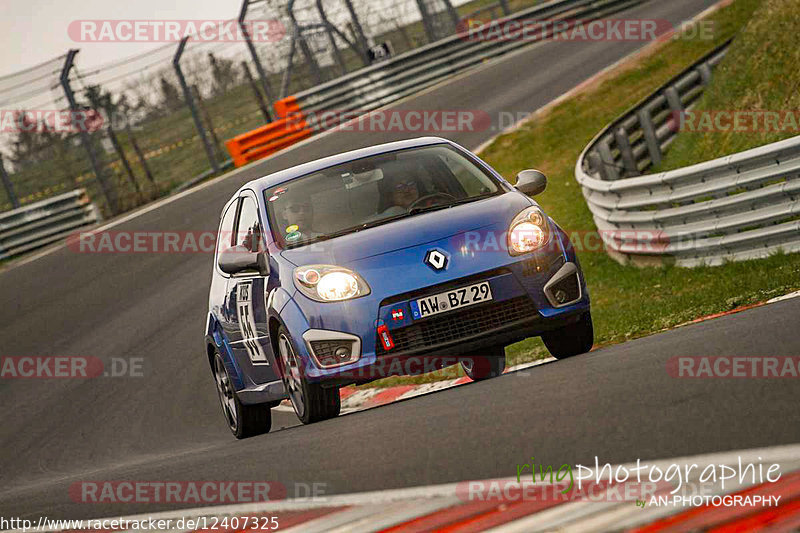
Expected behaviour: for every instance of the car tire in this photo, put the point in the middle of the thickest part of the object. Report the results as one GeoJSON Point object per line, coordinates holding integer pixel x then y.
{"type": "Point", "coordinates": [243, 420]}
{"type": "Point", "coordinates": [571, 340]}
{"type": "Point", "coordinates": [485, 364]}
{"type": "Point", "coordinates": [311, 401]}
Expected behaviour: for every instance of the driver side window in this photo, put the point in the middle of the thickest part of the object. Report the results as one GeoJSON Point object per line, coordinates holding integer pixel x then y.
{"type": "Point", "coordinates": [249, 231]}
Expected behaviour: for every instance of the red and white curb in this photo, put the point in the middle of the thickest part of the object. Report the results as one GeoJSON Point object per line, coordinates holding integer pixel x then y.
{"type": "Point", "coordinates": [457, 507]}
{"type": "Point", "coordinates": [354, 400]}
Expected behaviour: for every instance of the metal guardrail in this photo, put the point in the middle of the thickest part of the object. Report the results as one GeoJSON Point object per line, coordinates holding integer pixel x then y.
{"type": "Point", "coordinates": [41, 223]}
{"type": "Point", "coordinates": [375, 86]}
{"type": "Point", "coordinates": [742, 206]}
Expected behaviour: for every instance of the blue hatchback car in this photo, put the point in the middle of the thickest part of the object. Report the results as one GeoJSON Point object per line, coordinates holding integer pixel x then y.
{"type": "Point", "coordinates": [390, 260]}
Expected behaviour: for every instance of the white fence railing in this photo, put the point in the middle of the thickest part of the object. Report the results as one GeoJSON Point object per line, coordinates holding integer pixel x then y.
{"type": "Point", "coordinates": [742, 206]}
{"type": "Point", "coordinates": [41, 223]}
{"type": "Point", "coordinates": [385, 82]}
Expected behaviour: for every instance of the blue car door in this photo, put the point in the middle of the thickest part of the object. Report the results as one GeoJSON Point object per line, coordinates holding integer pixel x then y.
{"type": "Point", "coordinates": [248, 331]}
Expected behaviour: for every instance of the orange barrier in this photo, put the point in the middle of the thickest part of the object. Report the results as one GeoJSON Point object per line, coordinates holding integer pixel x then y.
{"type": "Point", "coordinates": [266, 140]}
{"type": "Point", "coordinates": [286, 106]}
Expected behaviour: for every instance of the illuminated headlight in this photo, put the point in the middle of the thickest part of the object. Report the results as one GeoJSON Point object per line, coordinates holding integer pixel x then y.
{"type": "Point", "coordinates": [529, 231]}
{"type": "Point", "coordinates": [329, 283]}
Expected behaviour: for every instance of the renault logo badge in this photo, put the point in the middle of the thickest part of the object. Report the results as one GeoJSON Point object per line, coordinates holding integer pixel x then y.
{"type": "Point", "coordinates": [436, 259]}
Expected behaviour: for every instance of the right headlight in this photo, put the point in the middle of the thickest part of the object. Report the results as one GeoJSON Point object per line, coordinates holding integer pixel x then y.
{"type": "Point", "coordinates": [329, 283]}
{"type": "Point", "coordinates": [528, 231]}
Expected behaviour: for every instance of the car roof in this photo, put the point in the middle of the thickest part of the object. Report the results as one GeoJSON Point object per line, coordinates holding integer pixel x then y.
{"type": "Point", "coordinates": [287, 174]}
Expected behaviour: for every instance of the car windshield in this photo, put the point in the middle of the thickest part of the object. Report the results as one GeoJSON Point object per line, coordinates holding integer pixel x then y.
{"type": "Point", "coordinates": [372, 191]}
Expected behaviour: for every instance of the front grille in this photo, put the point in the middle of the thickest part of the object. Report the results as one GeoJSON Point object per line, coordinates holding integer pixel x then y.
{"type": "Point", "coordinates": [455, 326]}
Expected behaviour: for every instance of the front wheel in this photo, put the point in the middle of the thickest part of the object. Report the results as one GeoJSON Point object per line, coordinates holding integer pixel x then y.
{"type": "Point", "coordinates": [571, 340]}
{"type": "Point", "coordinates": [489, 364]}
{"type": "Point", "coordinates": [243, 420]}
{"type": "Point", "coordinates": [311, 401]}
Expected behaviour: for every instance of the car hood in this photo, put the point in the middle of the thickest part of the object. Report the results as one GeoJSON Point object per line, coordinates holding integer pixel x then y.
{"type": "Point", "coordinates": [412, 231]}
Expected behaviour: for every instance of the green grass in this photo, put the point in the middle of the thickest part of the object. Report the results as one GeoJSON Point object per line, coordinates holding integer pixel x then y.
{"type": "Point", "coordinates": [759, 73]}
{"type": "Point", "coordinates": [628, 302]}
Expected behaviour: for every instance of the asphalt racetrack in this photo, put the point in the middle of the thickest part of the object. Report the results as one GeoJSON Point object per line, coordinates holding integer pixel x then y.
{"type": "Point", "coordinates": [617, 403]}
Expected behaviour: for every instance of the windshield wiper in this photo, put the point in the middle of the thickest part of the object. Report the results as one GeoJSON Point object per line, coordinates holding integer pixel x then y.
{"type": "Point", "coordinates": [355, 229]}
{"type": "Point", "coordinates": [436, 207]}
{"type": "Point", "coordinates": [367, 225]}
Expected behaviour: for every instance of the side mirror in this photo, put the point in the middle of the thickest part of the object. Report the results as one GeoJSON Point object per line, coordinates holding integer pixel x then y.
{"type": "Point", "coordinates": [240, 259]}
{"type": "Point", "coordinates": [531, 182]}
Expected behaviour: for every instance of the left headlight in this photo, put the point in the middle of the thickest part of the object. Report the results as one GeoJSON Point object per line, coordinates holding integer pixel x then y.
{"type": "Point", "coordinates": [528, 231]}
{"type": "Point", "coordinates": [329, 283]}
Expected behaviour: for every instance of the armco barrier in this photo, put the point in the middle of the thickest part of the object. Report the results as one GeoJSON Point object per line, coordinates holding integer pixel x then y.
{"type": "Point", "coordinates": [377, 85]}
{"type": "Point", "coordinates": [742, 206]}
{"type": "Point", "coordinates": [268, 139]}
{"type": "Point", "coordinates": [38, 224]}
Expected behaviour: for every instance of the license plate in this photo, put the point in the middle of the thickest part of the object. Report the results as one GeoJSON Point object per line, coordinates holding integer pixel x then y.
{"type": "Point", "coordinates": [450, 300]}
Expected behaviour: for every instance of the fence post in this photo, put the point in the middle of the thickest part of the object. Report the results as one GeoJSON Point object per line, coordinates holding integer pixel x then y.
{"type": "Point", "coordinates": [453, 14]}
{"type": "Point", "coordinates": [504, 7]}
{"type": "Point", "coordinates": [108, 190]}
{"type": "Point", "coordinates": [140, 155]}
{"type": "Point", "coordinates": [187, 94]}
{"type": "Point", "coordinates": [9, 187]}
{"type": "Point", "coordinates": [337, 54]}
{"type": "Point", "coordinates": [206, 116]}
{"type": "Point", "coordinates": [426, 20]}
{"type": "Point", "coordinates": [254, 56]}
{"type": "Point", "coordinates": [359, 30]}
{"type": "Point", "coordinates": [311, 61]}
{"type": "Point", "coordinates": [259, 98]}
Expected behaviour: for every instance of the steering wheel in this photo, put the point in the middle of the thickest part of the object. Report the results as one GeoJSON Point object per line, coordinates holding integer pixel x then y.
{"type": "Point", "coordinates": [429, 200]}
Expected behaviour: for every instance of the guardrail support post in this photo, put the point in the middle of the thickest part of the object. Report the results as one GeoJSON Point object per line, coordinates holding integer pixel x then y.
{"type": "Point", "coordinates": [705, 73]}
{"type": "Point", "coordinates": [650, 139]}
{"type": "Point", "coordinates": [9, 187]}
{"type": "Point", "coordinates": [254, 55]}
{"type": "Point", "coordinates": [675, 105]}
{"type": "Point", "coordinates": [608, 168]}
{"type": "Point", "coordinates": [625, 151]}
{"type": "Point", "coordinates": [108, 190]}
{"type": "Point", "coordinates": [187, 94]}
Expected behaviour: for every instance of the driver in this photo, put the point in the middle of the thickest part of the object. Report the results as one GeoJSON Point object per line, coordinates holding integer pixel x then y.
{"type": "Point", "coordinates": [298, 215]}
{"type": "Point", "coordinates": [398, 194]}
